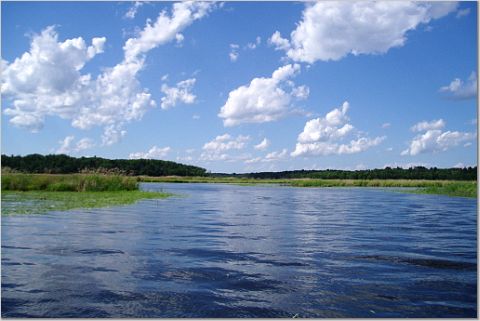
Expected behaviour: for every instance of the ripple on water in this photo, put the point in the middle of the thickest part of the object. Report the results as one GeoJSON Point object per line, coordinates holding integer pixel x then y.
{"type": "Point", "coordinates": [246, 251]}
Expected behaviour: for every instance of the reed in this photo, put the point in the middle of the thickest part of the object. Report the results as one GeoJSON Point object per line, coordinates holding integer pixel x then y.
{"type": "Point", "coordinates": [68, 183]}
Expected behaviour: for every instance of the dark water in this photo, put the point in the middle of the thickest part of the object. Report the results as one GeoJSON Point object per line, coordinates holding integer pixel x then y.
{"type": "Point", "coordinates": [243, 251]}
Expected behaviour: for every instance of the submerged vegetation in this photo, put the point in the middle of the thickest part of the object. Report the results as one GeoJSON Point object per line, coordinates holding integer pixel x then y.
{"type": "Point", "coordinates": [36, 202]}
{"type": "Point", "coordinates": [38, 193]}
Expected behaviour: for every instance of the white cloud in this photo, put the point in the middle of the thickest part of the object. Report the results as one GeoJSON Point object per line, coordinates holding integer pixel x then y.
{"type": "Point", "coordinates": [434, 139]}
{"type": "Point", "coordinates": [253, 45]}
{"type": "Point", "coordinates": [180, 93]}
{"type": "Point", "coordinates": [463, 13]}
{"type": "Point", "coordinates": [330, 30]}
{"type": "Point", "coordinates": [84, 143]}
{"type": "Point", "coordinates": [262, 145]}
{"type": "Point", "coordinates": [458, 89]}
{"type": "Point", "coordinates": [425, 125]}
{"type": "Point", "coordinates": [275, 156]}
{"type": "Point", "coordinates": [66, 145]}
{"type": "Point", "coordinates": [47, 80]}
{"type": "Point", "coordinates": [153, 153]}
{"type": "Point", "coordinates": [386, 125]}
{"type": "Point", "coordinates": [132, 11]}
{"type": "Point", "coordinates": [279, 42]}
{"type": "Point", "coordinates": [165, 27]}
{"type": "Point", "coordinates": [112, 134]}
{"type": "Point", "coordinates": [264, 99]}
{"type": "Point", "coordinates": [233, 52]}
{"type": "Point", "coordinates": [323, 136]}
{"type": "Point", "coordinates": [226, 142]}
{"type": "Point", "coordinates": [216, 149]}
{"type": "Point", "coordinates": [233, 56]}
{"type": "Point", "coordinates": [270, 157]}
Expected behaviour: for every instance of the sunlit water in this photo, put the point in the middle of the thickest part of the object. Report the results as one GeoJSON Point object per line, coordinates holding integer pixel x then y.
{"type": "Point", "coordinates": [246, 251]}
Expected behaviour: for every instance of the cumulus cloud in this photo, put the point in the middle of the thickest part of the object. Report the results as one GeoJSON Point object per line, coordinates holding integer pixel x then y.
{"type": "Point", "coordinates": [324, 136]}
{"type": "Point", "coordinates": [67, 146]}
{"type": "Point", "coordinates": [182, 92]}
{"type": "Point", "coordinates": [226, 142]}
{"type": "Point", "coordinates": [47, 80]}
{"type": "Point", "coordinates": [270, 157]}
{"type": "Point", "coordinates": [132, 11]}
{"type": "Point", "coordinates": [262, 145]}
{"type": "Point", "coordinates": [279, 42]}
{"type": "Point", "coordinates": [458, 89]}
{"type": "Point", "coordinates": [153, 153]}
{"type": "Point", "coordinates": [434, 139]}
{"type": "Point", "coordinates": [85, 143]}
{"type": "Point", "coordinates": [330, 30]}
{"type": "Point", "coordinates": [425, 125]}
{"type": "Point", "coordinates": [216, 149]}
{"type": "Point", "coordinates": [264, 99]}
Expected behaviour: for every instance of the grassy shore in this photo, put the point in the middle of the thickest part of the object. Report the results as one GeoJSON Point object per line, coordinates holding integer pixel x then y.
{"type": "Point", "coordinates": [68, 183]}
{"type": "Point", "coordinates": [39, 193]}
{"type": "Point", "coordinates": [450, 188]}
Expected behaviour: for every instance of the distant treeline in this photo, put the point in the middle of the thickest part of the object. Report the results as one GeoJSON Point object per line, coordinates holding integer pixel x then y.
{"type": "Point", "coordinates": [464, 174]}
{"type": "Point", "coordinates": [63, 164]}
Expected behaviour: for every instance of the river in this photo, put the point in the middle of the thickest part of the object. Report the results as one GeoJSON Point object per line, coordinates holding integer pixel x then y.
{"type": "Point", "coordinates": [216, 250]}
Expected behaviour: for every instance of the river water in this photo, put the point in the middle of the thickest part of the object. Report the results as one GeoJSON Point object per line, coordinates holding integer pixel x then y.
{"type": "Point", "coordinates": [218, 250]}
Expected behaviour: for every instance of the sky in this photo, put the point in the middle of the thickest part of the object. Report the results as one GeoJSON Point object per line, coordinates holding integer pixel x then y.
{"type": "Point", "coordinates": [243, 86]}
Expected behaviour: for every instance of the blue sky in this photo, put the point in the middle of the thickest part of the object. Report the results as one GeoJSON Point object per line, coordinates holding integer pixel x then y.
{"type": "Point", "coordinates": [240, 87]}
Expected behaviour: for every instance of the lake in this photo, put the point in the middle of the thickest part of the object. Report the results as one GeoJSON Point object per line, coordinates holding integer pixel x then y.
{"type": "Point", "coordinates": [218, 250]}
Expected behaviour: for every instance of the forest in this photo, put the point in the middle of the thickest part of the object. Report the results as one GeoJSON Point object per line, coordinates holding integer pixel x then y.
{"type": "Point", "coordinates": [419, 172]}
{"type": "Point", "coordinates": [63, 164]}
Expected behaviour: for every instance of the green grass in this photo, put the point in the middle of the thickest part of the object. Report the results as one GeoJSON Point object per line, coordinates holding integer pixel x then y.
{"type": "Point", "coordinates": [443, 187]}
{"type": "Point", "coordinates": [70, 183]}
{"type": "Point", "coordinates": [36, 202]}
{"type": "Point", "coordinates": [463, 190]}
{"type": "Point", "coordinates": [39, 193]}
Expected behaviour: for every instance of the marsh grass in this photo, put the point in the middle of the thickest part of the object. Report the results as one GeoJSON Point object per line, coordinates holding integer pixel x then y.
{"type": "Point", "coordinates": [444, 187]}
{"type": "Point", "coordinates": [40, 193]}
{"type": "Point", "coordinates": [37, 202]}
{"type": "Point", "coordinates": [68, 183]}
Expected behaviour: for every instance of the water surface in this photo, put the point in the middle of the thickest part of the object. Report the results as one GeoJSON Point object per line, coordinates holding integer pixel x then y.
{"type": "Point", "coordinates": [246, 251]}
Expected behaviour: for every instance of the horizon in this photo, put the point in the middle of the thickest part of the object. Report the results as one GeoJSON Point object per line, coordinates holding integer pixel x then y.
{"type": "Point", "coordinates": [255, 172]}
{"type": "Point", "coordinates": [243, 87]}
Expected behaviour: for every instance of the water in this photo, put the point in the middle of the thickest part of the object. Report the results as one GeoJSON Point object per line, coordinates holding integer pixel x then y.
{"type": "Point", "coordinates": [246, 251]}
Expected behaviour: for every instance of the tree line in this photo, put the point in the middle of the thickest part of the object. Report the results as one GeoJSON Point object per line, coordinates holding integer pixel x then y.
{"type": "Point", "coordinates": [418, 172]}
{"type": "Point", "coordinates": [64, 164]}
